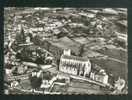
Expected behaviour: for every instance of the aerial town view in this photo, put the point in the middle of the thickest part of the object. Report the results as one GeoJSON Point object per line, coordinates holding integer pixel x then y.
{"type": "Point", "coordinates": [65, 50]}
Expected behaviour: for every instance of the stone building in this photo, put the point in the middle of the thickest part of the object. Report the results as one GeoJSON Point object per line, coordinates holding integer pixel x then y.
{"type": "Point", "coordinates": [74, 65]}
{"type": "Point", "coordinates": [101, 76]}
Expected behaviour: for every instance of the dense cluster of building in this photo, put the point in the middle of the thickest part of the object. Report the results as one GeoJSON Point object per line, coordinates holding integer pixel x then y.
{"type": "Point", "coordinates": [49, 42]}
{"type": "Point", "coordinates": [81, 67]}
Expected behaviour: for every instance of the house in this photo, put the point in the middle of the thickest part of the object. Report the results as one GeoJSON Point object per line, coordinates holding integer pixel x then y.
{"type": "Point", "coordinates": [74, 65]}
{"type": "Point", "coordinates": [47, 80]}
{"type": "Point", "coordinates": [100, 76]}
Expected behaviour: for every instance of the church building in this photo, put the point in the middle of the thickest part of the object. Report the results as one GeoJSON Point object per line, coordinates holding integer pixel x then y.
{"type": "Point", "coordinates": [74, 65]}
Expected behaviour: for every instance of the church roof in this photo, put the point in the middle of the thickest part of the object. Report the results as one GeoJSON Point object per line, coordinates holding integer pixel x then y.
{"type": "Point", "coordinates": [74, 58]}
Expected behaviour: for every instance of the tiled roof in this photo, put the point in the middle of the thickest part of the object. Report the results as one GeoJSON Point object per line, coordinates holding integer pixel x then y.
{"type": "Point", "coordinates": [74, 58]}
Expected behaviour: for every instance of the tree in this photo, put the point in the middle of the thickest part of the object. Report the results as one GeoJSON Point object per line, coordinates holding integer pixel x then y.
{"type": "Point", "coordinates": [40, 60]}
{"type": "Point", "coordinates": [81, 49]}
{"type": "Point", "coordinates": [37, 40]}
{"type": "Point", "coordinates": [35, 82]}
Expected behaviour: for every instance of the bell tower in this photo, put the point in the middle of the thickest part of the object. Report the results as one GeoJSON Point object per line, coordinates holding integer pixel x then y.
{"type": "Point", "coordinates": [67, 52]}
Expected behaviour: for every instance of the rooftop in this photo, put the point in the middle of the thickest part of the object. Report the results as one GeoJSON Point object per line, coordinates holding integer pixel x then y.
{"type": "Point", "coordinates": [74, 58]}
{"type": "Point", "coordinates": [47, 76]}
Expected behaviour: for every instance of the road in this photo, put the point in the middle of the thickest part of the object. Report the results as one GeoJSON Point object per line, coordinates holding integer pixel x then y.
{"type": "Point", "coordinates": [81, 90]}
{"type": "Point", "coordinates": [85, 86]}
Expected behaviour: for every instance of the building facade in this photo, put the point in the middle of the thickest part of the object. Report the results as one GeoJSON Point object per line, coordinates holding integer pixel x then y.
{"type": "Point", "coordinates": [74, 65]}
{"type": "Point", "coordinates": [99, 77]}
